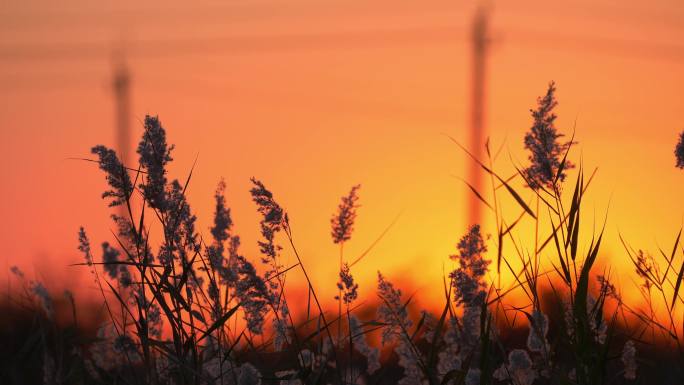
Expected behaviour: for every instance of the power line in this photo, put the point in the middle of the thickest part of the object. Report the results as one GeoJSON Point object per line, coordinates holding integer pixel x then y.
{"type": "Point", "coordinates": [236, 44]}
{"type": "Point", "coordinates": [359, 39]}
{"type": "Point", "coordinates": [604, 45]}
{"type": "Point", "coordinates": [260, 11]}
{"type": "Point", "coordinates": [349, 40]}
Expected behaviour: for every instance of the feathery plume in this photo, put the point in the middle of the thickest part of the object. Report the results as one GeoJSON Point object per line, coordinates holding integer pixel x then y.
{"type": "Point", "coordinates": [408, 360]}
{"type": "Point", "coordinates": [115, 270]}
{"type": "Point", "coordinates": [110, 258]}
{"type": "Point", "coordinates": [546, 151]}
{"type": "Point", "coordinates": [126, 232]}
{"type": "Point", "coordinates": [679, 151]}
{"type": "Point", "coordinates": [395, 315]}
{"type": "Point", "coordinates": [111, 349]}
{"type": "Point", "coordinates": [222, 221]}
{"type": "Point", "coordinates": [469, 334]}
{"type": "Point", "coordinates": [280, 332]}
{"type": "Point", "coordinates": [347, 286]}
{"type": "Point", "coordinates": [391, 311]}
{"type": "Point", "coordinates": [154, 155]}
{"type": "Point", "coordinates": [272, 221]}
{"type": "Point", "coordinates": [179, 231]}
{"type": "Point", "coordinates": [342, 222]}
{"type": "Point", "coordinates": [467, 279]}
{"type": "Point", "coordinates": [252, 294]}
{"type": "Point", "coordinates": [220, 232]}
{"type": "Point", "coordinates": [84, 246]}
{"type": "Point", "coordinates": [361, 345]}
{"type": "Point", "coordinates": [154, 318]}
{"type": "Point", "coordinates": [183, 219]}
{"type": "Point", "coordinates": [519, 369]}
{"type": "Point", "coordinates": [607, 289]}
{"type": "Point", "coordinates": [43, 296]}
{"type": "Point", "coordinates": [117, 176]}
{"type": "Point", "coordinates": [468, 283]}
{"type": "Point", "coordinates": [539, 328]}
{"type": "Point", "coordinates": [645, 268]}
{"type": "Point", "coordinates": [450, 356]}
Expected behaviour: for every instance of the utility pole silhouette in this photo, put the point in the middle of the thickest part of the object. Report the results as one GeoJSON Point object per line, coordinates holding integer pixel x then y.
{"type": "Point", "coordinates": [121, 86]}
{"type": "Point", "coordinates": [480, 41]}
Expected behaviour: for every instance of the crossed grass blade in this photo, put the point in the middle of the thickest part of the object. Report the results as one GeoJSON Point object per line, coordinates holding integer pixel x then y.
{"type": "Point", "coordinates": [513, 193]}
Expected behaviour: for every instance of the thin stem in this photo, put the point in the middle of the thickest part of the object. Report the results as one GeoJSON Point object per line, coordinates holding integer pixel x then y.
{"type": "Point", "coordinates": [288, 231]}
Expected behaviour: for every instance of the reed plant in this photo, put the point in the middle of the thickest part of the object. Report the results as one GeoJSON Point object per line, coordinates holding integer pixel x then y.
{"type": "Point", "coordinates": [182, 309]}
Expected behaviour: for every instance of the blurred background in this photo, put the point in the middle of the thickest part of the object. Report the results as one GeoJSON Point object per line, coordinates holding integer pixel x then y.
{"type": "Point", "coordinates": [312, 97]}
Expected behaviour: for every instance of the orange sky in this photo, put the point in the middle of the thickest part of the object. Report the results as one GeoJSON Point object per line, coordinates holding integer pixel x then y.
{"type": "Point", "coordinates": [312, 98]}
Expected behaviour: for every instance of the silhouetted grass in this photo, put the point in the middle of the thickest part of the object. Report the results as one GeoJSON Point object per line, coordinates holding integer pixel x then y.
{"type": "Point", "coordinates": [180, 309]}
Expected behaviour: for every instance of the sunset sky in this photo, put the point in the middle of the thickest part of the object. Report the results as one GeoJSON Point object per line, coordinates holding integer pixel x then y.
{"type": "Point", "coordinates": [312, 97]}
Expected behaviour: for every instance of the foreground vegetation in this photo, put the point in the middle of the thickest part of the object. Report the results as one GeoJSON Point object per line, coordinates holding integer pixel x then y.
{"type": "Point", "coordinates": [184, 310]}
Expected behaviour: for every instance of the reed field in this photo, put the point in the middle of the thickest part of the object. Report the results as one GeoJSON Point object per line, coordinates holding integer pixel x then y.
{"type": "Point", "coordinates": [177, 307]}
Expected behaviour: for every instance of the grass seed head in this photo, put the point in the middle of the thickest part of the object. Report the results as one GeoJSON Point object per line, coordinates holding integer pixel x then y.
{"type": "Point", "coordinates": [546, 152]}
{"type": "Point", "coordinates": [342, 222]}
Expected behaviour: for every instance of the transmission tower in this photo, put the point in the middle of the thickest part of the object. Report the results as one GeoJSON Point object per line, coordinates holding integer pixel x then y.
{"type": "Point", "coordinates": [121, 86]}
{"type": "Point", "coordinates": [480, 41]}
